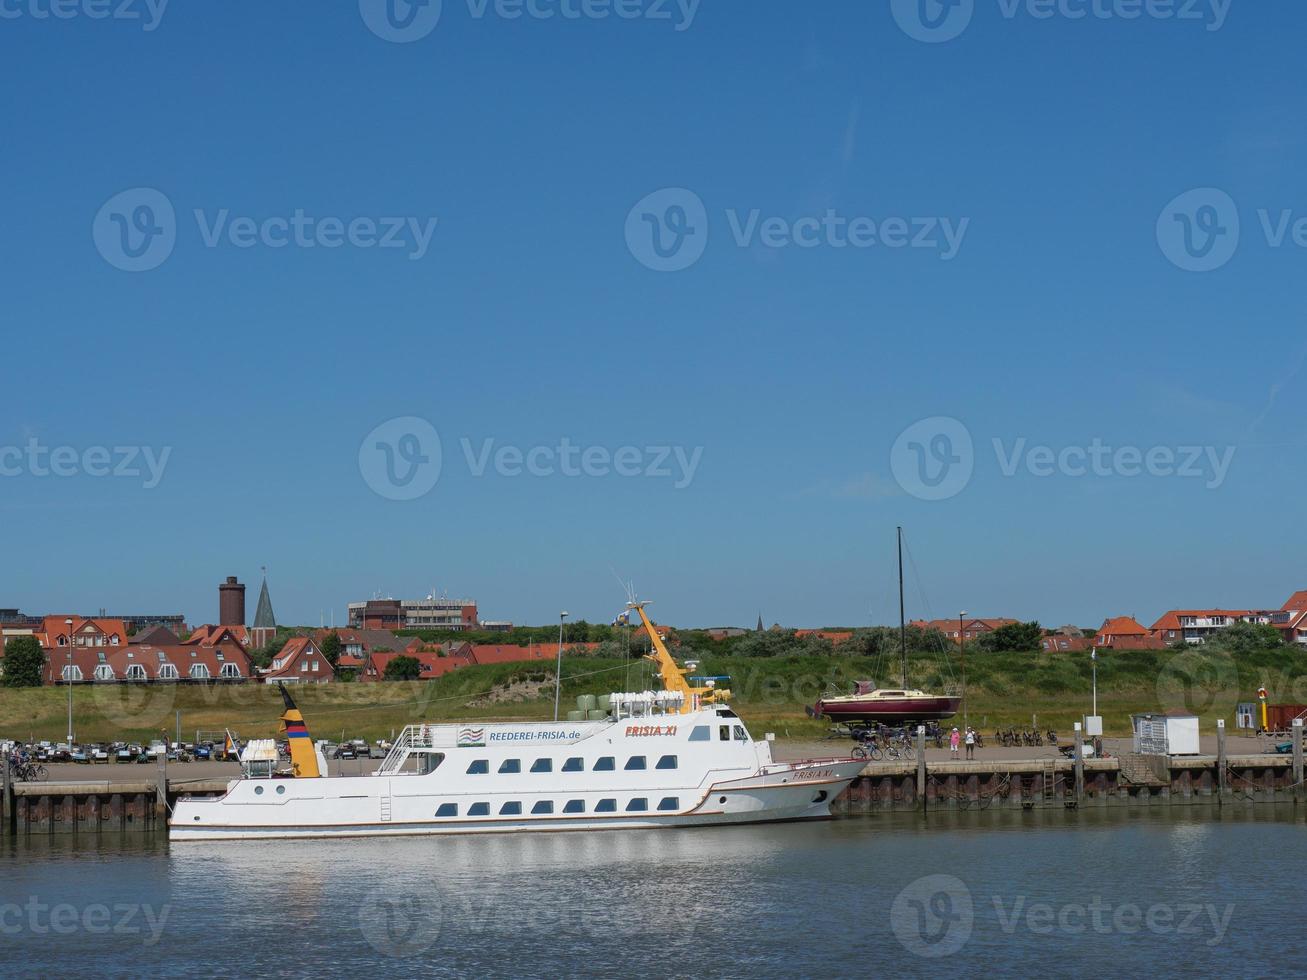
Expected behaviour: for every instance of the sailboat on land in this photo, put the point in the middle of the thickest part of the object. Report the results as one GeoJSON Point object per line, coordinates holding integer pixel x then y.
{"type": "Point", "coordinates": [868, 704]}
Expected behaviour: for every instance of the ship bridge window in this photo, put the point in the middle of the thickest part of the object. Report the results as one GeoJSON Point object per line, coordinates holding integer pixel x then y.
{"type": "Point", "coordinates": [723, 733]}
{"type": "Point", "coordinates": [605, 763]}
{"type": "Point", "coordinates": [511, 765]}
{"type": "Point", "coordinates": [574, 806]}
{"type": "Point", "coordinates": [447, 810]}
{"type": "Point", "coordinates": [543, 806]}
{"type": "Point", "coordinates": [479, 810]}
{"type": "Point", "coordinates": [666, 762]}
{"type": "Point", "coordinates": [726, 713]}
{"type": "Point", "coordinates": [636, 762]}
{"type": "Point", "coordinates": [700, 733]}
{"type": "Point", "coordinates": [511, 809]}
{"type": "Point", "coordinates": [542, 765]}
{"type": "Point", "coordinates": [669, 803]}
{"type": "Point", "coordinates": [574, 764]}
{"type": "Point", "coordinates": [740, 734]}
{"type": "Point", "coordinates": [638, 804]}
{"type": "Point", "coordinates": [606, 806]}
{"type": "Point", "coordinates": [478, 767]}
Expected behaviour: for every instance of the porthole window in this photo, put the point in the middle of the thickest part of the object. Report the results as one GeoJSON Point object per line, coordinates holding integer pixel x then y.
{"type": "Point", "coordinates": [258, 790]}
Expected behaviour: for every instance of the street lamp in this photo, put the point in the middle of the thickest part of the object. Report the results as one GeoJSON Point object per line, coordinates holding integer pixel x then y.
{"type": "Point", "coordinates": [68, 623]}
{"type": "Point", "coordinates": [962, 649]}
{"type": "Point", "coordinates": [558, 675]}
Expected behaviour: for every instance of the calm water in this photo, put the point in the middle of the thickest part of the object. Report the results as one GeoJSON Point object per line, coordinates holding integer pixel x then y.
{"type": "Point", "coordinates": [1028, 893]}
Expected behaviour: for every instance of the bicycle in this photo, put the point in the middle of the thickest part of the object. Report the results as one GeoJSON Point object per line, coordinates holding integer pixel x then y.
{"type": "Point", "coordinates": [27, 772]}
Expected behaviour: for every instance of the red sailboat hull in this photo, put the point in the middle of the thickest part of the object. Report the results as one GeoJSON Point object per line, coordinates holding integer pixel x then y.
{"type": "Point", "coordinates": [888, 710]}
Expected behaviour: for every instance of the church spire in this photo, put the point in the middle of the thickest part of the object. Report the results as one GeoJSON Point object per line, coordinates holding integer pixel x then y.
{"type": "Point", "coordinates": [758, 628]}
{"type": "Point", "coordinates": [265, 622]}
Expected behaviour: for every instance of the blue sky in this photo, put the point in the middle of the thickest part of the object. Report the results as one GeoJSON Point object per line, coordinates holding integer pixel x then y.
{"type": "Point", "coordinates": [530, 315]}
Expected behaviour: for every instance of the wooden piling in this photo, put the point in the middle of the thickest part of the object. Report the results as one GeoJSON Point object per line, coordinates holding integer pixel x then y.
{"type": "Point", "coordinates": [921, 766]}
{"type": "Point", "coordinates": [1297, 757]}
{"type": "Point", "coordinates": [1080, 763]}
{"type": "Point", "coordinates": [6, 797]}
{"type": "Point", "coordinates": [1222, 775]}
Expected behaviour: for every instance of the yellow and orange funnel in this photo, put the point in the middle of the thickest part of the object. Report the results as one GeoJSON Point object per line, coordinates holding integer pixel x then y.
{"type": "Point", "coordinates": [303, 760]}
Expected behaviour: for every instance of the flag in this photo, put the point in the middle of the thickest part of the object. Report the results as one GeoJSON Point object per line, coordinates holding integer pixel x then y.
{"type": "Point", "coordinates": [229, 749]}
{"type": "Point", "coordinates": [623, 618]}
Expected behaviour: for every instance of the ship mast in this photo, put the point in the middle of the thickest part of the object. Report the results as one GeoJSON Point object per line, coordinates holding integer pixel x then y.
{"type": "Point", "coordinates": [903, 630]}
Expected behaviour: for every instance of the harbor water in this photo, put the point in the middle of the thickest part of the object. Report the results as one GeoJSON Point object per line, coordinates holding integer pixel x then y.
{"type": "Point", "coordinates": [1041, 893]}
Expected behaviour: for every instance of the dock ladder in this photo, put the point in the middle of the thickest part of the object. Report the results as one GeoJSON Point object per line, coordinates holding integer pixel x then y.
{"type": "Point", "coordinates": [1050, 779]}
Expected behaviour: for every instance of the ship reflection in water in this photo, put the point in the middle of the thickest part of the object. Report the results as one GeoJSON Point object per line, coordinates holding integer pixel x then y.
{"type": "Point", "coordinates": [956, 893]}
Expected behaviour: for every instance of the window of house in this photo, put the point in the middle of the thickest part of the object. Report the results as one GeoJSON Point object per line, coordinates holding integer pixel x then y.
{"type": "Point", "coordinates": [574, 806]}
{"type": "Point", "coordinates": [135, 672]}
{"type": "Point", "coordinates": [542, 806]}
{"type": "Point", "coordinates": [511, 809]}
{"type": "Point", "coordinates": [666, 762]}
{"type": "Point", "coordinates": [104, 673]}
{"type": "Point", "coordinates": [542, 765]}
{"type": "Point", "coordinates": [479, 810]}
{"type": "Point", "coordinates": [573, 764]}
{"type": "Point", "coordinates": [167, 672]}
{"type": "Point", "coordinates": [669, 803]}
{"type": "Point", "coordinates": [230, 670]}
{"type": "Point", "coordinates": [635, 762]}
{"type": "Point", "coordinates": [478, 767]}
{"type": "Point", "coordinates": [199, 672]}
{"type": "Point", "coordinates": [605, 764]}
{"type": "Point", "coordinates": [304, 666]}
{"type": "Point", "coordinates": [72, 673]}
{"type": "Point", "coordinates": [606, 806]}
{"type": "Point", "coordinates": [511, 765]}
{"type": "Point", "coordinates": [638, 804]}
{"type": "Point", "coordinates": [447, 810]}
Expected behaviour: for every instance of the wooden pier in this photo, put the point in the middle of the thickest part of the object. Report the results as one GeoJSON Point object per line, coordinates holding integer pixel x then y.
{"type": "Point", "coordinates": [142, 804]}
{"type": "Point", "coordinates": [93, 806]}
{"type": "Point", "coordinates": [1062, 783]}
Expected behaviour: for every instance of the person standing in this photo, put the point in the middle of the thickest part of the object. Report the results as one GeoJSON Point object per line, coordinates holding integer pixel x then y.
{"type": "Point", "coordinates": [971, 742]}
{"type": "Point", "coordinates": [953, 739]}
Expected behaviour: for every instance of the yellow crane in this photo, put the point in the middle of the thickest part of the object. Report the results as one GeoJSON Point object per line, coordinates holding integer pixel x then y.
{"type": "Point", "coordinates": [672, 674]}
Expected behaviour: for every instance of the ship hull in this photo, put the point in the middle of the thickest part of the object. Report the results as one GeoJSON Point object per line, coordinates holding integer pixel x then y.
{"type": "Point", "coordinates": [693, 770]}
{"type": "Point", "coordinates": [755, 799]}
{"type": "Point", "coordinates": [889, 711]}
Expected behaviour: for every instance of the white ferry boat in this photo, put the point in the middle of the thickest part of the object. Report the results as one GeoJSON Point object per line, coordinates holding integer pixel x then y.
{"type": "Point", "coordinates": [677, 757]}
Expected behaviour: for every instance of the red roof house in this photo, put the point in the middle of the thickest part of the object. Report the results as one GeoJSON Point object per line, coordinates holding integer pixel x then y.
{"type": "Point", "coordinates": [145, 663]}
{"type": "Point", "coordinates": [300, 661]}
{"type": "Point", "coordinates": [1124, 632]}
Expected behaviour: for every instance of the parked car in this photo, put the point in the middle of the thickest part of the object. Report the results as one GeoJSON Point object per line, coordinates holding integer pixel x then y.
{"type": "Point", "coordinates": [345, 751]}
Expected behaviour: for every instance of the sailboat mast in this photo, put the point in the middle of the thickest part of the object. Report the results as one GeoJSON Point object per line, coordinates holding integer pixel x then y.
{"type": "Point", "coordinates": [903, 630]}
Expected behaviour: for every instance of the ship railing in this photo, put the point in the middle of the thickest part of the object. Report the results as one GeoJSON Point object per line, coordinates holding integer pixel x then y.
{"type": "Point", "coordinates": [412, 738]}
